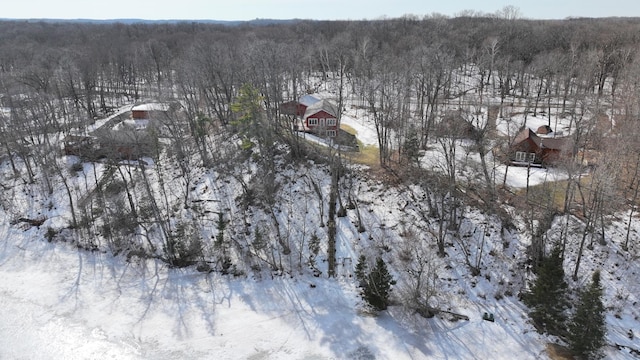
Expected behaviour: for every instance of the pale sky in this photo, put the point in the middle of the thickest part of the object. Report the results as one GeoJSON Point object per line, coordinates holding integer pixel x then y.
{"type": "Point", "coordinates": [303, 9]}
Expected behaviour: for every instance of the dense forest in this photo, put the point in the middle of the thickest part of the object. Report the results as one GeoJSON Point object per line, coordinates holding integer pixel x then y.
{"type": "Point", "coordinates": [224, 183]}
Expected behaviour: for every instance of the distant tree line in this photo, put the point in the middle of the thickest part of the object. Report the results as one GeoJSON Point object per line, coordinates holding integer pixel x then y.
{"type": "Point", "coordinates": [99, 65]}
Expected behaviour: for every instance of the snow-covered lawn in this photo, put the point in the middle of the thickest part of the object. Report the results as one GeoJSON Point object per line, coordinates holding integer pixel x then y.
{"type": "Point", "coordinates": [517, 175]}
{"type": "Point", "coordinates": [365, 132]}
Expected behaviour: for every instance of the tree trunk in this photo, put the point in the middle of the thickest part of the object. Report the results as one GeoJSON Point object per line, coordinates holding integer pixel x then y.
{"type": "Point", "coordinates": [331, 223]}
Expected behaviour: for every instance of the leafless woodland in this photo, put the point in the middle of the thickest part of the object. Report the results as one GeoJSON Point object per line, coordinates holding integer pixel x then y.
{"type": "Point", "coordinates": [58, 78]}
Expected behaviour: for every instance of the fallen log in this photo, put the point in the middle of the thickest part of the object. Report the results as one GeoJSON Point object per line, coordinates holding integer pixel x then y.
{"type": "Point", "coordinates": [429, 312]}
{"type": "Point", "coordinates": [32, 222]}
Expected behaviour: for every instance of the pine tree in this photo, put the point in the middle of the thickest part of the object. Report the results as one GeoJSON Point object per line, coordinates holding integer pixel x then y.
{"type": "Point", "coordinates": [221, 225]}
{"type": "Point", "coordinates": [378, 286]}
{"type": "Point", "coordinates": [587, 328]}
{"type": "Point", "coordinates": [361, 270]}
{"type": "Point", "coordinates": [221, 244]}
{"type": "Point", "coordinates": [547, 297]}
{"type": "Point", "coordinates": [411, 146]}
{"type": "Point", "coordinates": [248, 115]}
{"type": "Point", "coordinates": [314, 249]}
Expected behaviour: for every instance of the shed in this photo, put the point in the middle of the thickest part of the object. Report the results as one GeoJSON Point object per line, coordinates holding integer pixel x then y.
{"type": "Point", "coordinates": [79, 145]}
{"type": "Point", "coordinates": [454, 124]}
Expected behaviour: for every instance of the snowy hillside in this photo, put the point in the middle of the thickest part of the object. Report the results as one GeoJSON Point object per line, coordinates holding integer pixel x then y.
{"type": "Point", "coordinates": [64, 303]}
{"type": "Point", "coordinates": [161, 201]}
{"type": "Point", "coordinates": [61, 302]}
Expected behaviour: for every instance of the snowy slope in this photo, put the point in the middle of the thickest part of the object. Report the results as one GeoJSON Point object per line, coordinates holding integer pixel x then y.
{"type": "Point", "coordinates": [59, 302]}
{"type": "Point", "coordinates": [62, 303]}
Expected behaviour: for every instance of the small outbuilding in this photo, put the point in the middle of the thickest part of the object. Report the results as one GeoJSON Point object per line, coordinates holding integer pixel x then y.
{"type": "Point", "coordinates": [80, 145]}
{"type": "Point", "coordinates": [454, 124]}
{"type": "Point", "coordinates": [142, 115]}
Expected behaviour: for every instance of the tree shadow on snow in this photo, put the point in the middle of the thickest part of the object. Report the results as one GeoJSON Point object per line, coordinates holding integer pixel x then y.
{"type": "Point", "coordinates": [326, 314]}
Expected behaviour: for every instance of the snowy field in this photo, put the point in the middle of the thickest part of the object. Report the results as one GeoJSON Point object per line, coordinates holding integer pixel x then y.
{"type": "Point", "coordinates": [59, 303]}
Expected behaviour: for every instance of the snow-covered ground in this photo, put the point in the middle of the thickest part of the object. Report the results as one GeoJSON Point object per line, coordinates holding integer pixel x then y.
{"type": "Point", "coordinates": [61, 303]}
{"type": "Point", "coordinates": [364, 131]}
{"type": "Point", "coordinates": [58, 302]}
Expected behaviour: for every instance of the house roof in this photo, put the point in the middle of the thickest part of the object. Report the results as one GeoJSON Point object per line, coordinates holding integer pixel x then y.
{"type": "Point", "coordinates": [326, 105]}
{"type": "Point", "coordinates": [525, 134]}
{"type": "Point", "coordinates": [308, 100]}
{"type": "Point", "coordinates": [289, 107]}
{"type": "Point", "coordinates": [151, 107]}
{"type": "Point", "coordinates": [453, 123]}
{"type": "Point", "coordinates": [553, 143]}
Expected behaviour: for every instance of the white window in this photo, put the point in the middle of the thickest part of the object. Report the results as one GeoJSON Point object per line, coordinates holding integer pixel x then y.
{"type": "Point", "coordinates": [522, 156]}
{"type": "Point", "coordinates": [312, 121]}
{"type": "Point", "coordinates": [331, 122]}
{"type": "Point", "coordinates": [331, 133]}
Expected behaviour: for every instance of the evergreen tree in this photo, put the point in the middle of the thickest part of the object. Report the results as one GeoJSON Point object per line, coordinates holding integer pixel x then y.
{"type": "Point", "coordinates": [221, 244]}
{"type": "Point", "coordinates": [587, 328]}
{"type": "Point", "coordinates": [411, 147]}
{"type": "Point", "coordinates": [248, 115]}
{"type": "Point", "coordinates": [220, 226]}
{"type": "Point", "coordinates": [547, 297]}
{"type": "Point", "coordinates": [378, 286]}
{"type": "Point", "coordinates": [314, 249]}
{"type": "Point", "coordinates": [361, 270]}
